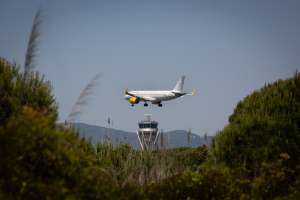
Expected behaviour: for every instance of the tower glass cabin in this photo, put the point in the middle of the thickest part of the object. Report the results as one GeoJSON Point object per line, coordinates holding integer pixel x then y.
{"type": "Point", "coordinates": [148, 134]}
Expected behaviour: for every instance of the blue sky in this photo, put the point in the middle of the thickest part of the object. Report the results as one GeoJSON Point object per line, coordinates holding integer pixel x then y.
{"type": "Point", "coordinates": [226, 49]}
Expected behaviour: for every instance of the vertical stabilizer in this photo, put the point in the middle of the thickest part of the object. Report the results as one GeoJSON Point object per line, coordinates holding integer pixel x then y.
{"type": "Point", "coordinates": [179, 85]}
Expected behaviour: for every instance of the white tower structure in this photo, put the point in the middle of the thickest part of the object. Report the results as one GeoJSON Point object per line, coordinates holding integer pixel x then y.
{"type": "Point", "coordinates": [148, 133]}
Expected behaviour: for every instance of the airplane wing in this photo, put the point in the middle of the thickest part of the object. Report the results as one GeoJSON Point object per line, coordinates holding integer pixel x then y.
{"type": "Point", "coordinates": [144, 98]}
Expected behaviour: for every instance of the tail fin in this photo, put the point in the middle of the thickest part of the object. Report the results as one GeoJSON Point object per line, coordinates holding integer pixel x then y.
{"type": "Point", "coordinates": [179, 85]}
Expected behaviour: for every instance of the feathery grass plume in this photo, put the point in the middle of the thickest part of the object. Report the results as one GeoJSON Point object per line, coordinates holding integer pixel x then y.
{"type": "Point", "coordinates": [82, 100]}
{"type": "Point", "coordinates": [32, 46]}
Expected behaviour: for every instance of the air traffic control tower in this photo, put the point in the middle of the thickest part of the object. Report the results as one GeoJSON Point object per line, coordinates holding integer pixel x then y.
{"type": "Point", "coordinates": [148, 134]}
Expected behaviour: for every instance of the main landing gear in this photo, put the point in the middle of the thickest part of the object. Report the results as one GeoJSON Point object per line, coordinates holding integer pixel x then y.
{"type": "Point", "coordinates": [146, 105]}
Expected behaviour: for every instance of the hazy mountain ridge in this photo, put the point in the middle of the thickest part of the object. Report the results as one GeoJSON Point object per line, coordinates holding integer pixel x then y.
{"type": "Point", "coordinates": [172, 139]}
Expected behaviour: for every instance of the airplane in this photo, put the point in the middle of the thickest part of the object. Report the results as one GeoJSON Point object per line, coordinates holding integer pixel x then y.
{"type": "Point", "coordinates": [156, 97]}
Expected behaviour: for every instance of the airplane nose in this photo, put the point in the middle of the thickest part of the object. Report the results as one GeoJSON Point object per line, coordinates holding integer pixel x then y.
{"type": "Point", "coordinates": [126, 97]}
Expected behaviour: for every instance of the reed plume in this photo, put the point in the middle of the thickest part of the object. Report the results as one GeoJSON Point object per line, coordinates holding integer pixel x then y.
{"type": "Point", "coordinates": [82, 100]}
{"type": "Point", "coordinates": [32, 46]}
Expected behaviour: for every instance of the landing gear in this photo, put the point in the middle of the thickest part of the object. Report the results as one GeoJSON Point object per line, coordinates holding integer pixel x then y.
{"type": "Point", "coordinates": [132, 105]}
{"type": "Point", "coordinates": [145, 104]}
{"type": "Point", "coordinates": [159, 105]}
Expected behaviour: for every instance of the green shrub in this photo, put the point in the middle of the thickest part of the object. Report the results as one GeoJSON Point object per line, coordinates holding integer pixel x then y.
{"type": "Point", "coordinates": [211, 182]}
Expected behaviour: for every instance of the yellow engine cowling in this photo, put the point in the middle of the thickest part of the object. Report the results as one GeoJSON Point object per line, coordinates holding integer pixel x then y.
{"type": "Point", "coordinates": [134, 100]}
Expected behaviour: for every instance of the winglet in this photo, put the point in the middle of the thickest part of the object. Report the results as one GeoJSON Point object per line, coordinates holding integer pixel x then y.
{"type": "Point", "coordinates": [193, 93]}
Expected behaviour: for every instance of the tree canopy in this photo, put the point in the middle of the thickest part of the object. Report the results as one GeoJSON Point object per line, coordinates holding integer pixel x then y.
{"type": "Point", "coordinates": [262, 127]}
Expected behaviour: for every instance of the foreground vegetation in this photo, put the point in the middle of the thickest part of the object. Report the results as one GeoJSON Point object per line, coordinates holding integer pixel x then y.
{"type": "Point", "coordinates": [256, 156]}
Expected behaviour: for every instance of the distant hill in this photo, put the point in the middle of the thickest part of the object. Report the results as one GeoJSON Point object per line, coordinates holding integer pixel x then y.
{"type": "Point", "coordinates": [173, 139]}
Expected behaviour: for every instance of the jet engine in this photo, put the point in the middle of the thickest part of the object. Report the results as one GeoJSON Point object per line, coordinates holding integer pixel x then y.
{"type": "Point", "coordinates": [134, 100]}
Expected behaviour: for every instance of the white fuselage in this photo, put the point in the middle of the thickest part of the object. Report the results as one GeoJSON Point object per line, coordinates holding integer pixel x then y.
{"type": "Point", "coordinates": [155, 96]}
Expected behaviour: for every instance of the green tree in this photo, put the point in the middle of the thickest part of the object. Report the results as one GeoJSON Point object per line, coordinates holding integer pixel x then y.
{"type": "Point", "coordinates": [262, 140]}
{"type": "Point", "coordinates": [38, 160]}
{"type": "Point", "coordinates": [263, 125]}
{"type": "Point", "coordinates": [17, 91]}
